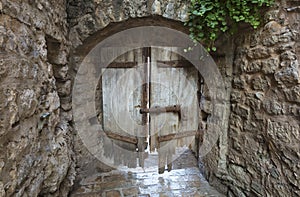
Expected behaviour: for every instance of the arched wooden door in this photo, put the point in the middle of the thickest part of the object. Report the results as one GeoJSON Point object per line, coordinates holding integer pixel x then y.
{"type": "Point", "coordinates": [150, 100]}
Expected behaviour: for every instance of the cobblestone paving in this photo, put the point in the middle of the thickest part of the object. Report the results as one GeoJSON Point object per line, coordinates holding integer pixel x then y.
{"type": "Point", "coordinates": [184, 180]}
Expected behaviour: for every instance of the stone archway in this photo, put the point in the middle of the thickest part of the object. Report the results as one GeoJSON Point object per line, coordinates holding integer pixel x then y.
{"type": "Point", "coordinates": [86, 34]}
{"type": "Point", "coordinates": [92, 21]}
{"type": "Point", "coordinates": [261, 57]}
{"type": "Point", "coordinates": [87, 18]}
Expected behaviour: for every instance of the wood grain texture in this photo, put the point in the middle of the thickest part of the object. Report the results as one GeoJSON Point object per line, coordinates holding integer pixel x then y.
{"type": "Point", "coordinates": [122, 95]}
{"type": "Point", "coordinates": [172, 86]}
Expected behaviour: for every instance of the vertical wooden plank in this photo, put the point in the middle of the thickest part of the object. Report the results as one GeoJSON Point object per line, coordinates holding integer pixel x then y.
{"type": "Point", "coordinates": [162, 94]}
{"type": "Point", "coordinates": [171, 86]}
{"type": "Point", "coordinates": [144, 104]}
{"type": "Point", "coordinates": [120, 114]}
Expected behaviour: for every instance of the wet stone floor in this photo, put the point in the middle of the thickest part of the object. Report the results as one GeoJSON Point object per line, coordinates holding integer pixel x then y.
{"type": "Point", "coordinates": [184, 179]}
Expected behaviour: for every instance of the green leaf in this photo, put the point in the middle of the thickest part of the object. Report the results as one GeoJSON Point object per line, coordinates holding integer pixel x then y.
{"type": "Point", "coordinates": [208, 19]}
{"type": "Point", "coordinates": [195, 12]}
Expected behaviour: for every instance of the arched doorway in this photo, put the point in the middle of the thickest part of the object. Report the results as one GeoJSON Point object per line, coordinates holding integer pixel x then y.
{"type": "Point", "coordinates": [149, 103]}
{"type": "Point", "coordinates": [91, 59]}
{"type": "Point", "coordinates": [100, 57]}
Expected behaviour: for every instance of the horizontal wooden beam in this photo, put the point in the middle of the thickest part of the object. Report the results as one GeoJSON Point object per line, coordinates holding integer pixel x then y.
{"type": "Point", "coordinates": [116, 136]}
{"type": "Point", "coordinates": [174, 63]}
{"type": "Point", "coordinates": [174, 136]}
{"type": "Point", "coordinates": [173, 108]}
{"type": "Point", "coordinates": [122, 64]}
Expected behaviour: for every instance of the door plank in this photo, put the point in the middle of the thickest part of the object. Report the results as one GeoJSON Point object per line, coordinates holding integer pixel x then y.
{"type": "Point", "coordinates": [174, 63]}
{"type": "Point", "coordinates": [122, 65]}
{"type": "Point", "coordinates": [174, 136]}
{"type": "Point", "coordinates": [121, 117]}
{"type": "Point", "coordinates": [113, 135]}
{"type": "Point", "coordinates": [162, 94]}
{"type": "Point", "coordinates": [172, 86]}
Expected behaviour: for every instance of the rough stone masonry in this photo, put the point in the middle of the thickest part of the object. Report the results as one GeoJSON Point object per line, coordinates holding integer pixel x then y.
{"type": "Point", "coordinates": [42, 43]}
{"type": "Point", "coordinates": [36, 156]}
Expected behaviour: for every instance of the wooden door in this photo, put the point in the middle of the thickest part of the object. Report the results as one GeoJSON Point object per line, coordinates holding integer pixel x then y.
{"type": "Point", "coordinates": [123, 93]}
{"type": "Point", "coordinates": [174, 86]}
{"type": "Point", "coordinates": [151, 81]}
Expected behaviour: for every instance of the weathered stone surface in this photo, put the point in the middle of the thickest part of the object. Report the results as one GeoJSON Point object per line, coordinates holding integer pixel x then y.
{"type": "Point", "coordinates": [61, 72]}
{"type": "Point", "coordinates": [259, 53]}
{"type": "Point", "coordinates": [114, 193]}
{"type": "Point", "coordinates": [239, 82]}
{"type": "Point", "coordinates": [36, 157]}
{"type": "Point", "coordinates": [260, 83]}
{"type": "Point", "coordinates": [283, 131]}
{"type": "Point", "coordinates": [242, 111]}
{"type": "Point", "coordinates": [288, 76]}
{"type": "Point", "coordinates": [269, 66]}
{"type": "Point", "coordinates": [264, 121]}
{"type": "Point", "coordinates": [236, 96]}
{"type": "Point", "coordinates": [86, 18]}
{"type": "Point", "coordinates": [64, 89]}
{"type": "Point", "coordinates": [253, 67]}
{"type": "Point", "coordinates": [293, 94]}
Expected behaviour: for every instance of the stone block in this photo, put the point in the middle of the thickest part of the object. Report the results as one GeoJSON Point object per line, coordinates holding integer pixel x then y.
{"type": "Point", "coordinates": [236, 96]}
{"type": "Point", "coordinates": [285, 37]}
{"type": "Point", "coordinates": [169, 11]}
{"type": "Point", "coordinates": [114, 177]}
{"type": "Point", "coordinates": [239, 83]}
{"type": "Point", "coordinates": [260, 83]}
{"type": "Point", "coordinates": [272, 107]}
{"type": "Point", "coordinates": [272, 15]}
{"type": "Point", "coordinates": [27, 103]}
{"type": "Point", "coordinates": [259, 53]}
{"type": "Point", "coordinates": [282, 132]}
{"type": "Point", "coordinates": [293, 94]}
{"type": "Point", "coordinates": [242, 111]}
{"type": "Point", "coordinates": [269, 66]}
{"type": "Point", "coordinates": [272, 27]}
{"type": "Point", "coordinates": [206, 106]}
{"type": "Point", "coordinates": [130, 191]}
{"type": "Point", "coordinates": [237, 191]}
{"type": "Point", "coordinates": [252, 67]}
{"type": "Point", "coordinates": [240, 175]}
{"type": "Point", "coordinates": [64, 88]}
{"type": "Point", "coordinates": [257, 188]}
{"type": "Point", "coordinates": [52, 101]}
{"type": "Point", "coordinates": [61, 72]}
{"type": "Point", "coordinates": [288, 55]}
{"type": "Point", "coordinates": [270, 40]}
{"type": "Point", "coordinates": [288, 76]}
{"type": "Point", "coordinates": [156, 8]}
{"type": "Point", "coordinates": [236, 145]}
{"type": "Point", "coordinates": [236, 121]}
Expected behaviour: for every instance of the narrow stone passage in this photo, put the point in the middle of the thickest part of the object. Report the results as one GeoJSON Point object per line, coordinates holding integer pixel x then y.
{"type": "Point", "coordinates": [185, 179]}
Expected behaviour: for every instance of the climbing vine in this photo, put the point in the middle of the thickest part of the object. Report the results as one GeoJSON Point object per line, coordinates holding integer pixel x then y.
{"type": "Point", "coordinates": [208, 19]}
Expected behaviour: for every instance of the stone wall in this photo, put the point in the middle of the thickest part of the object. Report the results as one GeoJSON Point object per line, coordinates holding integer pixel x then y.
{"type": "Point", "coordinates": [264, 135]}
{"type": "Point", "coordinates": [88, 17]}
{"type": "Point", "coordinates": [35, 140]}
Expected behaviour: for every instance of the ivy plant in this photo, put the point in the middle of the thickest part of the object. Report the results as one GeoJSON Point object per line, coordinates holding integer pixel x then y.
{"type": "Point", "coordinates": [208, 19]}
